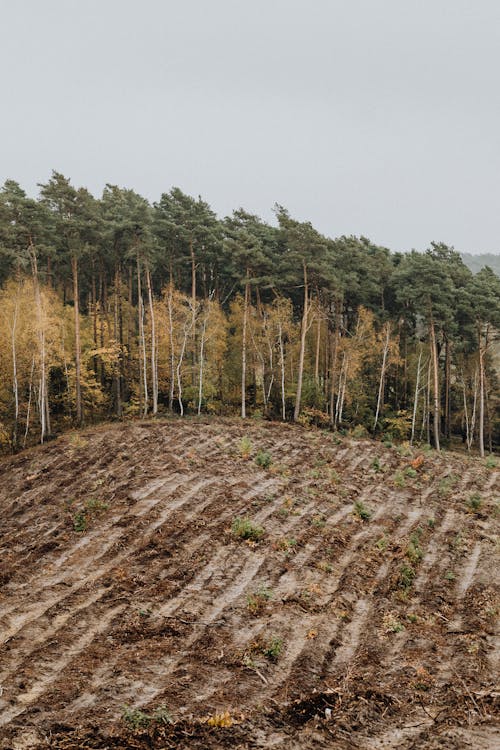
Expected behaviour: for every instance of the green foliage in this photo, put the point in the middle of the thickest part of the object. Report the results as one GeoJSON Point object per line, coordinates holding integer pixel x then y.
{"type": "Point", "coordinates": [80, 521]}
{"type": "Point", "coordinates": [263, 459]}
{"type": "Point", "coordinates": [406, 576]}
{"type": "Point", "coordinates": [244, 528]}
{"type": "Point", "coordinates": [136, 719]}
{"type": "Point", "coordinates": [273, 648]}
{"type": "Point", "coordinates": [474, 502]}
{"type": "Point", "coordinates": [362, 511]}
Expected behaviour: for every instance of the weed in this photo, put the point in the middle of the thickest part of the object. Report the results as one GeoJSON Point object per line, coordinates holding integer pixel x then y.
{"type": "Point", "coordinates": [392, 624]}
{"type": "Point", "coordinates": [273, 648]}
{"type": "Point", "coordinates": [80, 522]}
{"type": "Point", "coordinates": [413, 551]}
{"type": "Point", "coordinates": [245, 447]}
{"type": "Point", "coordinates": [135, 718]}
{"type": "Point", "coordinates": [450, 575]}
{"type": "Point", "coordinates": [318, 521]}
{"type": "Point", "coordinates": [376, 465]}
{"type": "Point", "coordinates": [387, 443]}
{"type": "Point", "coordinates": [446, 485]}
{"type": "Point", "coordinates": [382, 543]}
{"type": "Point", "coordinates": [257, 600]}
{"type": "Point", "coordinates": [399, 479]}
{"type": "Point", "coordinates": [326, 567]}
{"type": "Point", "coordinates": [334, 476]}
{"type": "Point", "coordinates": [412, 617]}
{"type": "Point", "coordinates": [362, 511]}
{"type": "Point", "coordinates": [286, 544]}
{"type": "Point", "coordinates": [243, 528]}
{"type": "Point", "coordinates": [474, 502]}
{"type": "Point", "coordinates": [411, 472]}
{"type": "Point", "coordinates": [162, 716]}
{"type": "Point", "coordinates": [406, 576]}
{"type": "Point", "coordinates": [263, 459]}
{"type": "Point", "coordinates": [95, 505]}
{"type": "Point", "coordinates": [491, 462]}
{"type": "Point", "coordinates": [431, 523]}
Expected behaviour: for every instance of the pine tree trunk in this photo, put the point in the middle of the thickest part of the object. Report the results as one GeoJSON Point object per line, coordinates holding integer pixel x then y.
{"type": "Point", "coordinates": [382, 376]}
{"type": "Point", "coordinates": [303, 332]}
{"type": "Point", "coordinates": [76, 302]}
{"type": "Point", "coordinates": [244, 347]}
{"type": "Point", "coordinates": [172, 352]}
{"type": "Point", "coordinates": [282, 369]}
{"type": "Point", "coordinates": [142, 343]}
{"type": "Point", "coordinates": [481, 393]}
{"type": "Point", "coordinates": [436, 386]}
{"type": "Point", "coordinates": [415, 400]}
{"type": "Point", "coordinates": [154, 363]}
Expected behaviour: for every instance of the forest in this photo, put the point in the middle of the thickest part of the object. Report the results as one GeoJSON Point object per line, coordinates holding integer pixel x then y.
{"type": "Point", "coordinates": [118, 307]}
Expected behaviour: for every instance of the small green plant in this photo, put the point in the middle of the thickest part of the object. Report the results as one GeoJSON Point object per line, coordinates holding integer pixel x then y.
{"type": "Point", "coordinates": [80, 521]}
{"type": "Point", "coordinates": [257, 600]}
{"type": "Point", "coordinates": [387, 443]}
{"type": "Point", "coordinates": [491, 462]}
{"type": "Point", "coordinates": [411, 472]}
{"type": "Point", "coordinates": [94, 505]}
{"type": "Point", "coordinates": [474, 502]}
{"type": "Point", "coordinates": [162, 715]}
{"type": "Point", "coordinates": [446, 485]}
{"type": "Point", "coordinates": [273, 648]}
{"type": "Point", "coordinates": [431, 523]}
{"type": "Point", "coordinates": [406, 576]}
{"type": "Point", "coordinates": [318, 521]}
{"type": "Point", "coordinates": [362, 511]}
{"type": "Point", "coordinates": [334, 476]}
{"type": "Point", "coordinates": [392, 624]}
{"type": "Point", "coordinates": [411, 617]}
{"type": "Point", "coordinates": [413, 551]}
{"type": "Point", "coordinates": [450, 575]}
{"type": "Point", "coordinates": [382, 543]}
{"type": "Point", "coordinates": [398, 479]}
{"type": "Point", "coordinates": [245, 447]}
{"type": "Point", "coordinates": [263, 459]}
{"type": "Point", "coordinates": [376, 465]}
{"type": "Point", "coordinates": [135, 718]}
{"type": "Point", "coordinates": [244, 528]}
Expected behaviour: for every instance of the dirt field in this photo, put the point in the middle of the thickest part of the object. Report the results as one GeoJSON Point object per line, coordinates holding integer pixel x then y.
{"type": "Point", "coordinates": [131, 611]}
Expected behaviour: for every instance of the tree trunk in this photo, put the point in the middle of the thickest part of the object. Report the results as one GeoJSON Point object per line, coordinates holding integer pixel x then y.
{"type": "Point", "coordinates": [154, 363]}
{"type": "Point", "coordinates": [282, 368]}
{"type": "Point", "coordinates": [481, 393]}
{"type": "Point", "coordinates": [436, 385]}
{"type": "Point", "coordinates": [244, 347]}
{"type": "Point", "coordinates": [382, 375]}
{"type": "Point", "coordinates": [303, 332]}
{"type": "Point", "coordinates": [142, 342]}
{"type": "Point", "coordinates": [172, 352]}
{"type": "Point", "coordinates": [76, 302]}
{"type": "Point", "coordinates": [415, 400]}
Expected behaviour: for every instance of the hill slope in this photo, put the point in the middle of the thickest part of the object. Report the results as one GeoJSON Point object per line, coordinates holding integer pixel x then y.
{"type": "Point", "coordinates": [123, 584]}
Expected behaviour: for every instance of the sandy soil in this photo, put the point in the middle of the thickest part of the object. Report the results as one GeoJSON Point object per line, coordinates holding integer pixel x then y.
{"type": "Point", "coordinates": [123, 585]}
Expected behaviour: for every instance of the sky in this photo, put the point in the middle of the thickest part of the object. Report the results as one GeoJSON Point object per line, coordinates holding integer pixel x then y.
{"type": "Point", "coordinates": [370, 117]}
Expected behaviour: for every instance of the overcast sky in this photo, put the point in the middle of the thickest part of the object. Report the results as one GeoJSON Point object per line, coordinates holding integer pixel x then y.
{"type": "Point", "coordinates": [373, 117]}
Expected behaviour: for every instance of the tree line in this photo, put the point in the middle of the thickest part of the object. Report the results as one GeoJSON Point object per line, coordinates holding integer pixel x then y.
{"type": "Point", "coordinates": [116, 306]}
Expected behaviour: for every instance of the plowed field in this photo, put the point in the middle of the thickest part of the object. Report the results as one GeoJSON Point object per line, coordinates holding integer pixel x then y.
{"type": "Point", "coordinates": [131, 611]}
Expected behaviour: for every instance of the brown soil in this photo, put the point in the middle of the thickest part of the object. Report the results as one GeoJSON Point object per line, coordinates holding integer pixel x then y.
{"type": "Point", "coordinates": [329, 632]}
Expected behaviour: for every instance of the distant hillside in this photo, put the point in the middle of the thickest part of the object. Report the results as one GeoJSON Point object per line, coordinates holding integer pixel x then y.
{"type": "Point", "coordinates": [476, 262]}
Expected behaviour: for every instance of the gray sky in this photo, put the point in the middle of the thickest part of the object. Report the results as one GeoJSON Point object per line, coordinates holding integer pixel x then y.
{"type": "Point", "coordinates": [374, 117]}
